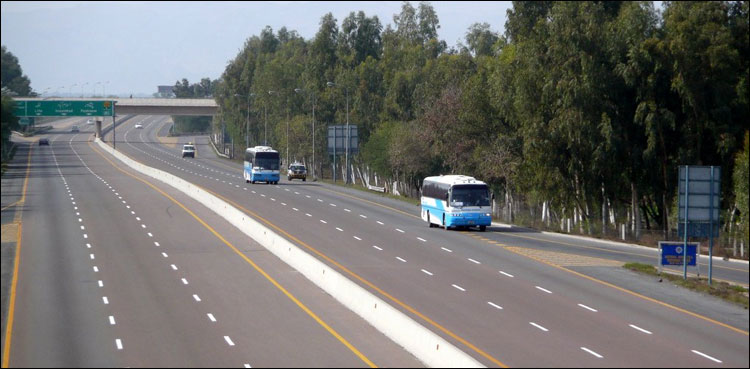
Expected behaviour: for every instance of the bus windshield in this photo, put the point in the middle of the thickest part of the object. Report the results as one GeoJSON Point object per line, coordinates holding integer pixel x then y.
{"type": "Point", "coordinates": [267, 160]}
{"type": "Point", "coordinates": [470, 195]}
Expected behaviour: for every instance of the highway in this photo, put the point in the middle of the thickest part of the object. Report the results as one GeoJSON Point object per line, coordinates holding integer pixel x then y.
{"type": "Point", "coordinates": [491, 301]}
{"type": "Point", "coordinates": [116, 270]}
{"type": "Point", "coordinates": [506, 297]}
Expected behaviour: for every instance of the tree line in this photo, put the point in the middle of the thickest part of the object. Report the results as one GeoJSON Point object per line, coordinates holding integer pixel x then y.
{"type": "Point", "coordinates": [579, 110]}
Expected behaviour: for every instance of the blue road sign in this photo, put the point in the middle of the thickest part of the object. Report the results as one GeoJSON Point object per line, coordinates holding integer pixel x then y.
{"type": "Point", "coordinates": [672, 252]}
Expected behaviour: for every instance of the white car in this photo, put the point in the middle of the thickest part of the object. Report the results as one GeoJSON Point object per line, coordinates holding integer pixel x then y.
{"type": "Point", "coordinates": [90, 122]}
{"type": "Point", "coordinates": [138, 126]}
{"type": "Point", "coordinates": [188, 150]}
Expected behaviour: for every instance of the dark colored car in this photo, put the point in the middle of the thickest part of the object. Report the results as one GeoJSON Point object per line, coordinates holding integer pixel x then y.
{"type": "Point", "coordinates": [43, 141]}
{"type": "Point", "coordinates": [296, 170]}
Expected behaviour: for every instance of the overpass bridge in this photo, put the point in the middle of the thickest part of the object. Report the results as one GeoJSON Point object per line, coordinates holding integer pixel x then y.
{"type": "Point", "coordinates": [145, 106]}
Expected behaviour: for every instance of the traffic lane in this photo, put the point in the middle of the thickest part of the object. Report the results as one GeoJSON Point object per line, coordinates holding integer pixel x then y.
{"type": "Point", "coordinates": [170, 302]}
{"type": "Point", "coordinates": [273, 186]}
{"type": "Point", "coordinates": [451, 312]}
{"type": "Point", "coordinates": [234, 291]}
{"type": "Point", "coordinates": [56, 297]}
{"type": "Point", "coordinates": [726, 270]}
{"type": "Point", "coordinates": [143, 309]}
{"type": "Point", "coordinates": [272, 200]}
{"type": "Point", "coordinates": [723, 270]}
{"type": "Point", "coordinates": [736, 272]}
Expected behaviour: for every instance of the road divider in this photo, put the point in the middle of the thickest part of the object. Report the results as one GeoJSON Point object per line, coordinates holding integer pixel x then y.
{"type": "Point", "coordinates": [421, 342]}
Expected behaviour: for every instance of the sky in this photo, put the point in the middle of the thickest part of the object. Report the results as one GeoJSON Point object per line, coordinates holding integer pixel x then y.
{"type": "Point", "coordinates": [125, 48]}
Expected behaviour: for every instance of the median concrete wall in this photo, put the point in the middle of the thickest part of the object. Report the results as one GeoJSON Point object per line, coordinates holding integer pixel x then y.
{"type": "Point", "coordinates": [427, 346]}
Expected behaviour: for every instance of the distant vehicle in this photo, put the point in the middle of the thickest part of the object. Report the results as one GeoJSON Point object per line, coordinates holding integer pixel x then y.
{"type": "Point", "coordinates": [188, 149]}
{"type": "Point", "coordinates": [74, 129]}
{"type": "Point", "coordinates": [90, 122]}
{"type": "Point", "coordinates": [138, 126]}
{"type": "Point", "coordinates": [456, 201]}
{"type": "Point", "coordinates": [43, 141]}
{"type": "Point", "coordinates": [296, 170]}
{"type": "Point", "coordinates": [261, 165]}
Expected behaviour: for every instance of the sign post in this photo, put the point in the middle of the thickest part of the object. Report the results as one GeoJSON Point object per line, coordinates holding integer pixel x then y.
{"type": "Point", "coordinates": [677, 253]}
{"type": "Point", "coordinates": [64, 108]}
{"type": "Point", "coordinates": [342, 139]}
{"type": "Point", "coordinates": [67, 108]}
{"type": "Point", "coordinates": [699, 198]}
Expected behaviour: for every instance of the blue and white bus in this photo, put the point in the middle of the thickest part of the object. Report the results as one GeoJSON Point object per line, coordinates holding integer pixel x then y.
{"type": "Point", "coordinates": [456, 201]}
{"type": "Point", "coordinates": [262, 165]}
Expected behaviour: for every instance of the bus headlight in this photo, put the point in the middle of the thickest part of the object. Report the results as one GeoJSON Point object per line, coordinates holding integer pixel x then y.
{"type": "Point", "coordinates": [487, 214]}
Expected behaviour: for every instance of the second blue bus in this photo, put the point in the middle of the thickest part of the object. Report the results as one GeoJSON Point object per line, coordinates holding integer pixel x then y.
{"type": "Point", "coordinates": [456, 201]}
{"type": "Point", "coordinates": [261, 165]}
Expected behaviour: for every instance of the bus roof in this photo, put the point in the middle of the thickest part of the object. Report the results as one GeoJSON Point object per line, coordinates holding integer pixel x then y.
{"type": "Point", "coordinates": [453, 179]}
{"type": "Point", "coordinates": [260, 149]}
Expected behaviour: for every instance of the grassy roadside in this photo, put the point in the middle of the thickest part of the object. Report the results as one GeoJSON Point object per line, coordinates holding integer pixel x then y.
{"type": "Point", "coordinates": [723, 290]}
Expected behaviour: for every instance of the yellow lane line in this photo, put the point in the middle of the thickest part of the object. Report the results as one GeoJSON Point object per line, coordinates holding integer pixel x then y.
{"type": "Point", "coordinates": [630, 292]}
{"type": "Point", "coordinates": [364, 281]}
{"type": "Point", "coordinates": [604, 249]}
{"type": "Point", "coordinates": [12, 300]}
{"type": "Point", "coordinates": [361, 279]}
{"type": "Point", "coordinates": [16, 263]}
{"type": "Point", "coordinates": [249, 261]}
{"type": "Point", "coordinates": [371, 202]}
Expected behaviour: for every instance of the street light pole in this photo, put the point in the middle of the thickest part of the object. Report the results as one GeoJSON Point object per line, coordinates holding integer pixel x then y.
{"type": "Point", "coordinates": [287, 131]}
{"type": "Point", "coordinates": [247, 121]}
{"type": "Point", "coordinates": [265, 128]}
{"type": "Point", "coordinates": [312, 98]}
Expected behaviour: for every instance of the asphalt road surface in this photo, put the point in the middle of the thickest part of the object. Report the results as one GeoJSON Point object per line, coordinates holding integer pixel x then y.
{"type": "Point", "coordinates": [505, 297]}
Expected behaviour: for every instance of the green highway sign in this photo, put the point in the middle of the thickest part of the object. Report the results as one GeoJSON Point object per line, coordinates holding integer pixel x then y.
{"type": "Point", "coordinates": [96, 108]}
